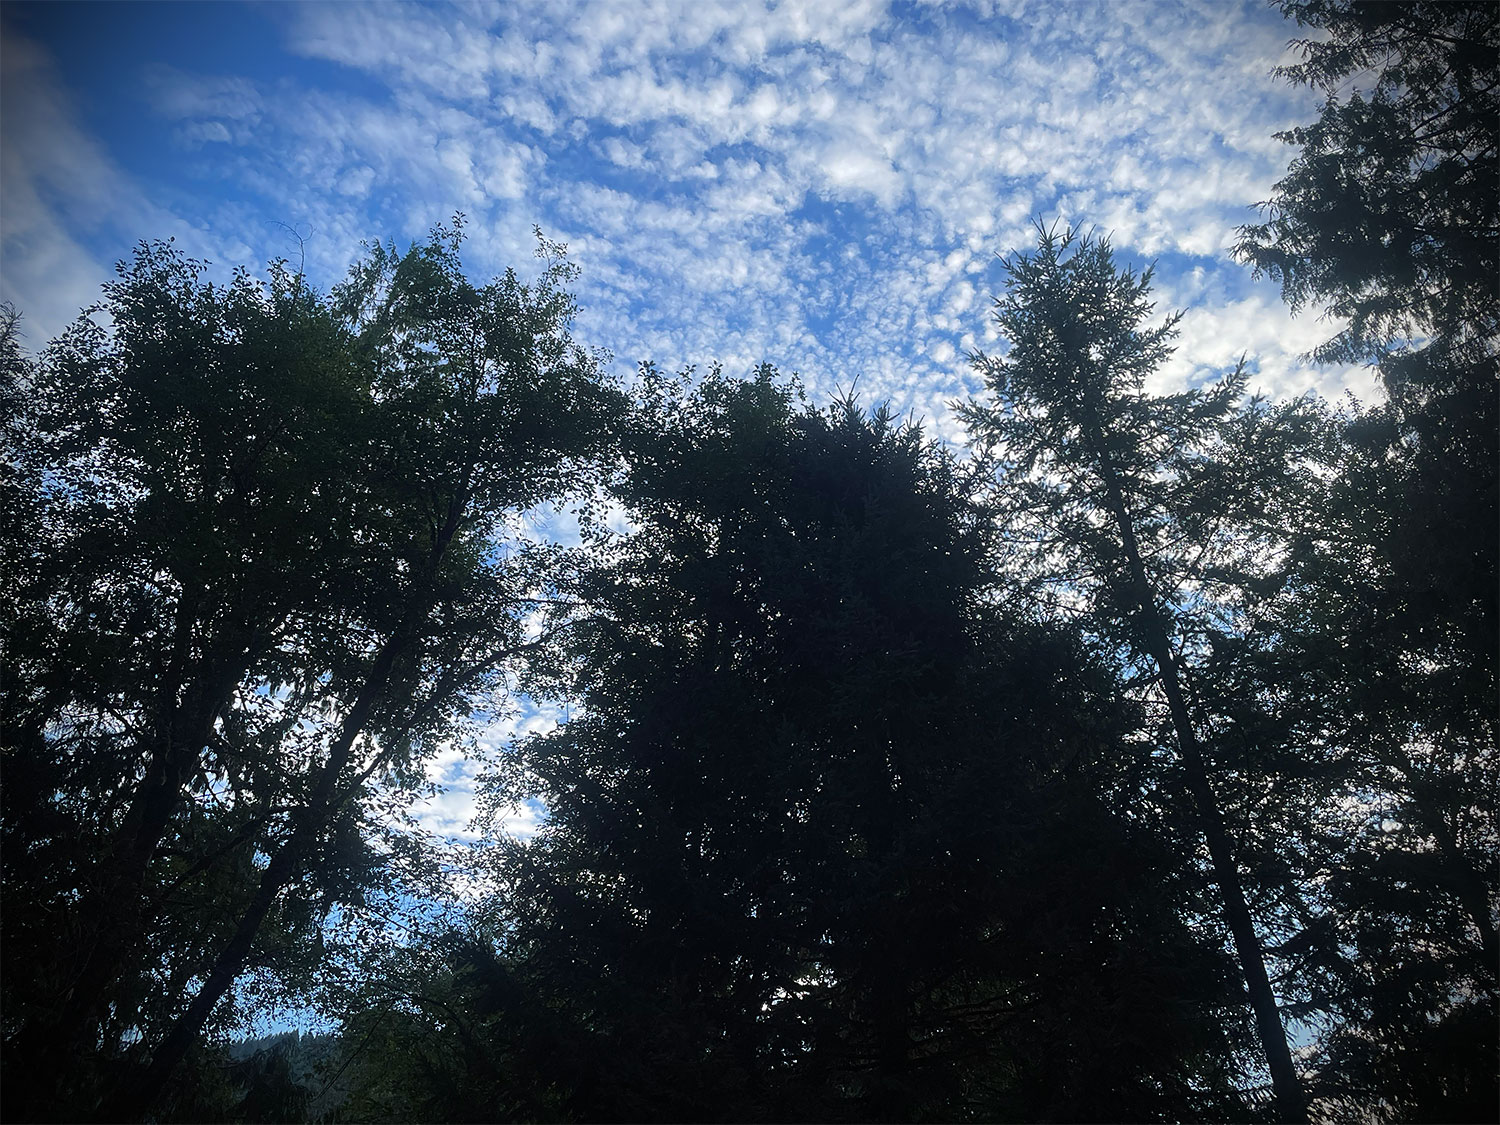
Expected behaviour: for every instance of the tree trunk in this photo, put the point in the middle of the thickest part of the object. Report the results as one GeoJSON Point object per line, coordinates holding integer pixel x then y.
{"type": "Point", "coordinates": [1291, 1101]}
{"type": "Point", "coordinates": [133, 1100]}
{"type": "Point", "coordinates": [115, 907]}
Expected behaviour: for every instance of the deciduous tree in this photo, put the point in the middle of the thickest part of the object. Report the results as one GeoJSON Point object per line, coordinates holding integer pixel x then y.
{"type": "Point", "coordinates": [286, 558]}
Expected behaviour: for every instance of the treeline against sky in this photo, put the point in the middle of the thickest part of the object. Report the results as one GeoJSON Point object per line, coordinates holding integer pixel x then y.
{"type": "Point", "coordinates": [1138, 763]}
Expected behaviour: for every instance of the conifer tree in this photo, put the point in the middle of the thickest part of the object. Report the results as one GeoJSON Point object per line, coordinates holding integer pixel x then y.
{"type": "Point", "coordinates": [1389, 218]}
{"type": "Point", "coordinates": [825, 837]}
{"type": "Point", "coordinates": [1127, 506]}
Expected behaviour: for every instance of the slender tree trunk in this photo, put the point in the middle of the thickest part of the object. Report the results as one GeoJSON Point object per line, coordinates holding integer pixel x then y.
{"type": "Point", "coordinates": [1291, 1101]}
{"type": "Point", "coordinates": [133, 1101]}
{"type": "Point", "coordinates": [115, 907]}
{"type": "Point", "coordinates": [138, 1096]}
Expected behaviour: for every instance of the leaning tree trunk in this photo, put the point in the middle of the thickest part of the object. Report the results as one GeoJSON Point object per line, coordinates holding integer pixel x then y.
{"type": "Point", "coordinates": [134, 1099]}
{"type": "Point", "coordinates": [117, 908]}
{"type": "Point", "coordinates": [132, 1102]}
{"type": "Point", "coordinates": [1291, 1101]}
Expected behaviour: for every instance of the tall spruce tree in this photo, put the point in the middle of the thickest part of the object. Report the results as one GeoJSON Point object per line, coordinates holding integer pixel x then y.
{"type": "Point", "coordinates": [1389, 218]}
{"type": "Point", "coordinates": [1141, 511]}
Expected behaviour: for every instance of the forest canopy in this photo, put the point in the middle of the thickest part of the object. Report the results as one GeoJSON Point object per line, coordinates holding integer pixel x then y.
{"type": "Point", "coordinates": [1136, 761]}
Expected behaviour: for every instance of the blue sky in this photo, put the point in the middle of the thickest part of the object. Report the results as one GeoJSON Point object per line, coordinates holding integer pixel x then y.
{"type": "Point", "coordinates": [822, 185]}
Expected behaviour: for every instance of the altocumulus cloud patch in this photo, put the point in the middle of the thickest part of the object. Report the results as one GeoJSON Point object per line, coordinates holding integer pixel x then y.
{"type": "Point", "coordinates": [822, 186]}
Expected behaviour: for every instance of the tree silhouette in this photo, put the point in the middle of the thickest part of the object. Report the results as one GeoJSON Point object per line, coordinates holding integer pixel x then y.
{"type": "Point", "coordinates": [1390, 217]}
{"type": "Point", "coordinates": [1138, 505]}
{"type": "Point", "coordinates": [825, 839]}
{"type": "Point", "coordinates": [273, 548]}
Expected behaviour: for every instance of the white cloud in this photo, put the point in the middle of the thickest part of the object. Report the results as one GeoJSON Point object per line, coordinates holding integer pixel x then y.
{"type": "Point", "coordinates": [180, 96]}
{"type": "Point", "coordinates": [1212, 338]}
{"type": "Point", "coordinates": [44, 271]}
{"type": "Point", "coordinates": [452, 810]}
{"type": "Point", "coordinates": [63, 195]}
{"type": "Point", "coordinates": [203, 132]}
{"type": "Point", "coordinates": [852, 169]}
{"type": "Point", "coordinates": [820, 185]}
